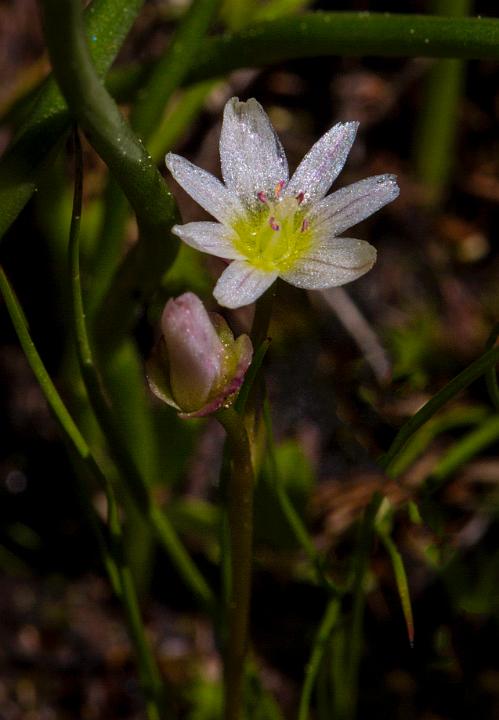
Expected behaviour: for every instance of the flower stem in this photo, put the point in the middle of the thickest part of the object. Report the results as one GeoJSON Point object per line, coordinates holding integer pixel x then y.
{"type": "Point", "coordinates": [320, 643]}
{"type": "Point", "coordinates": [294, 520]}
{"type": "Point", "coordinates": [324, 34]}
{"type": "Point", "coordinates": [240, 518]}
{"type": "Point", "coordinates": [261, 320]}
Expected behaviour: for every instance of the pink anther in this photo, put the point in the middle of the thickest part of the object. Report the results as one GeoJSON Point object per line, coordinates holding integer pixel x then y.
{"type": "Point", "coordinates": [262, 197]}
{"type": "Point", "coordinates": [305, 225]}
{"type": "Point", "coordinates": [300, 198]}
{"type": "Point", "coordinates": [273, 224]}
{"type": "Point", "coordinates": [278, 188]}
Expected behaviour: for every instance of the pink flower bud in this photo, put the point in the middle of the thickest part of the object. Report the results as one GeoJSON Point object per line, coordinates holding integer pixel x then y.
{"type": "Point", "coordinates": [197, 365]}
{"type": "Point", "coordinates": [195, 353]}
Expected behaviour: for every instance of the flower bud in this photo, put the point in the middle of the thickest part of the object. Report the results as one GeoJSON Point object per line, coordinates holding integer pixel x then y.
{"type": "Point", "coordinates": [197, 366]}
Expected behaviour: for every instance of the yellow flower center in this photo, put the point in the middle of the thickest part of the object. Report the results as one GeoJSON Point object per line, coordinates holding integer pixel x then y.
{"type": "Point", "coordinates": [275, 235]}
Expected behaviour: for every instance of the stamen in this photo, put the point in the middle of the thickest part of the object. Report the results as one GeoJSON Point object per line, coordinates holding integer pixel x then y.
{"type": "Point", "coordinates": [273, 224]}
{"type": "Point", "coordinates": [262, 197]}
{"type": "Point", "coordinates": [305, 225]}
{"type": "Point", "coordinates": [300, 198]}
{"type": "Point", "coordinates": [278, 188]}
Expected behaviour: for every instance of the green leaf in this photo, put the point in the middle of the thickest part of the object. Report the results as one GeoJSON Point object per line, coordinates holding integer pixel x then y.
{"type": "Point", "coordinates": [383, 525]}
{"type": "Point", "coordinates": [461, 452]}
{"type": "Point", "coordinates": [477, 368]}
{"type": "Point", "coordinates": [295, 475]}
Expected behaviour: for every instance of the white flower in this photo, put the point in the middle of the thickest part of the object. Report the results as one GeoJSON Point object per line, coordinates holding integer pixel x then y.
{"type": "Point", "coordinates": [272, 226]}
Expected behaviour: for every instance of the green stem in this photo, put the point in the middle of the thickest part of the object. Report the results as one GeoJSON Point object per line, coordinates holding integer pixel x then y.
{"type": "Point", "coordinates": [135, 483]}
{"type": "Point", "coordinates": [97, 113]}
{"type": "Point", "coordinates": [253, 391]}
{"type": "Point", "coordinates": [462, 451]}
{"type": "Point", "coordinates": [295, 522]}
{"type": "Point", "coordinates": [109, 248]}
{"type": "Point", "coordinates": [261, 320]}
{"type": "Point", "coordinates": [240, 519]}
{"type": "Point", "coordinates": [308, 35]}
{"type": "Point", "coordinates": [325, 34]}
{"type": "Point", "coordinates": [318, 649]}
{"type": "Point", "coordinates": [251, 376]}
{"type": "Point", "coordinates": [149, 675]}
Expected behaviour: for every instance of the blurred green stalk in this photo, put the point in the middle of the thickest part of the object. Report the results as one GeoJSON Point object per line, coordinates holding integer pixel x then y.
{"type": "Point", "coordinates": [112, 553]}
{"type": "Point", "coordinates": [290, 38]}
{"type": "Point", "coordinates": [152, 97]}
{"type": "Point", "coordinates": [107, 420]}
{"type": "Point", "coordinates": [148, 671]}
{"type": "Point", "coordinates": [68, 427]}
{"type": "Point", "coordinates": [97, 113]}
{"type": "Point", "coordinates": [439, 119]}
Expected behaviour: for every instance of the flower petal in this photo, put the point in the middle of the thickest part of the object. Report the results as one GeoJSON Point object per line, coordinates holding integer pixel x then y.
{"type": "Point", "coordinates": [240, 284]}
{"type": "Point", "coordinates": [351, 204]}
{"type": "Point", "coordinates": [251, 154]}
{"type": "Point", "coordinates": [208, 237]}
{"type": "Point", "coordinates": [205, 189]}
{"type": "Point", "coordinates": [195, 352]}
{"type": "Point", "coordinates": [332, 262]}
{"type": "Point", "coordinates": [323, 163]}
